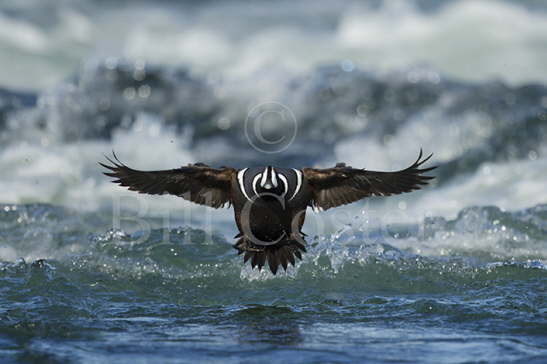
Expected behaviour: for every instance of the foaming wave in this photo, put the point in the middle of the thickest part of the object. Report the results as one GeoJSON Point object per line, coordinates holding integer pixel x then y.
{"type": "Point", "coordinates": [481, 243]}
{"type": "Point", "coordinates": [397, 34]}
{"type": "Point", "coordinates": [480, 134]}
{"type": "Point", "coordinates": [68, 173]}
{"type": "Point", "coordinates": [512, 186]}
{"type": "Point", "coordinates": [483, 233]}
{"type": "Point", "coordinates": [465, 39]}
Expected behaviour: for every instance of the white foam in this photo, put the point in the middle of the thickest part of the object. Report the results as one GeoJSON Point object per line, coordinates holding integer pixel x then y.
{"type": "Point", "coordinates": [68, 174]}
{"type": "Point", "coordinates": [431, 130]}
{"type": "Point", "coordinates": [509, 185]}
{"type": "Point", "coordinates": [468, 39]}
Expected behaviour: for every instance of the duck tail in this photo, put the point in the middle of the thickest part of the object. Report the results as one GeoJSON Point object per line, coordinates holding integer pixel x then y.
{"type": "Point", "coordinates": [281, 253]}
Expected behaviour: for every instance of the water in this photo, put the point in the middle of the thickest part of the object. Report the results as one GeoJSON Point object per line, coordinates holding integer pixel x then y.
{"type": "Point", "coordinates": [455, 273]}
{"type": "Point", "coordinates": [101, 296]}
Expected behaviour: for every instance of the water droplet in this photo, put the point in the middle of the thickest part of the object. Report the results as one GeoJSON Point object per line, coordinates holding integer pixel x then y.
{"type": "Point", "coordinates": [129, 93]}
{"type": "Point", "coordinates": [347, 65]}
{"type": "Point", "coordinates": [224, 123]}
{"type": "Point", "coordinates": [111, 63]}
{"type": "Point", "coordinates": [144, 91]}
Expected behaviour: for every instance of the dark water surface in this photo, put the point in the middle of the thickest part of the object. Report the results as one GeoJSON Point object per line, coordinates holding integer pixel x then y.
{"type": "Point", "coordinates": [116, 297]}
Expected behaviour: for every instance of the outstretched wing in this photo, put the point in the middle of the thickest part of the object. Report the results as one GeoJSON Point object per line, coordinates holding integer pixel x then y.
{"type": "Point", "coordinates": [342, 184]}
{"type": "Point", "coordinates": [198, 183]}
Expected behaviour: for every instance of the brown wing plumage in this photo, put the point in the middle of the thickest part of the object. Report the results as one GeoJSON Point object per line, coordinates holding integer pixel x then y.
{"type": "Point", "coordinates": [198, 183]}
{"type": "Point", "coordinates": [342, 184]}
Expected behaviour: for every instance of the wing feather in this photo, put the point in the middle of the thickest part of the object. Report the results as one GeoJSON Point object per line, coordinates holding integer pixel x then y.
{"type": "Point", "coordinates": [342, 185]}
{"type": "Point", "coordinates": [198, 183]}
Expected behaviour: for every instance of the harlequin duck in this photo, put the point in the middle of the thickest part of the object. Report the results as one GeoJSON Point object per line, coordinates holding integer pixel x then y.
{"type": "Point", "coordinates": [270, 203]}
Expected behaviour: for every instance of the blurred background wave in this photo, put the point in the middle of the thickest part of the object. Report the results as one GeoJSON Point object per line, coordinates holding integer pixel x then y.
{"type": "Point", "coordinates": [166, 83]}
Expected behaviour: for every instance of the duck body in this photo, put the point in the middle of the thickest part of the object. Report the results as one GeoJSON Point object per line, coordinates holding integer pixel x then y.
{"type": "Point", "coordinates": [269, 208]}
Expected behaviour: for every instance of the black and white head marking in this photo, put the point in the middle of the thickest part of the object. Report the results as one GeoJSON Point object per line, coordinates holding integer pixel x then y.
{"type": "Point", "coordinates": [282, 182]}
{"type": "Point", "coordinates": [241, 182]}
{"type": "Point", "coordinates": [285, 184]}
{"type": "Point", "coordinates": [255, 180]}
{"type": "Point", "coordinates": [298, 183]}
{"type": "Point", "coordinates": [269, 178]}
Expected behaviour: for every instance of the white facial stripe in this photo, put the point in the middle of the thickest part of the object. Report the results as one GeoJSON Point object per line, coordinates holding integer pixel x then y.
{"type": "Point", "coordinates": [255, 180]}
{"type": "Point", "coordinates": [285, 184]}
{"type": "Point", "coordinates": [298, 183]}
{"type": "Point", "coordinates": [274, 178]}
{"type": "Point", "coordinates": [264, 177]}
{"type": "Point", "coordinates": [240, 176]}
